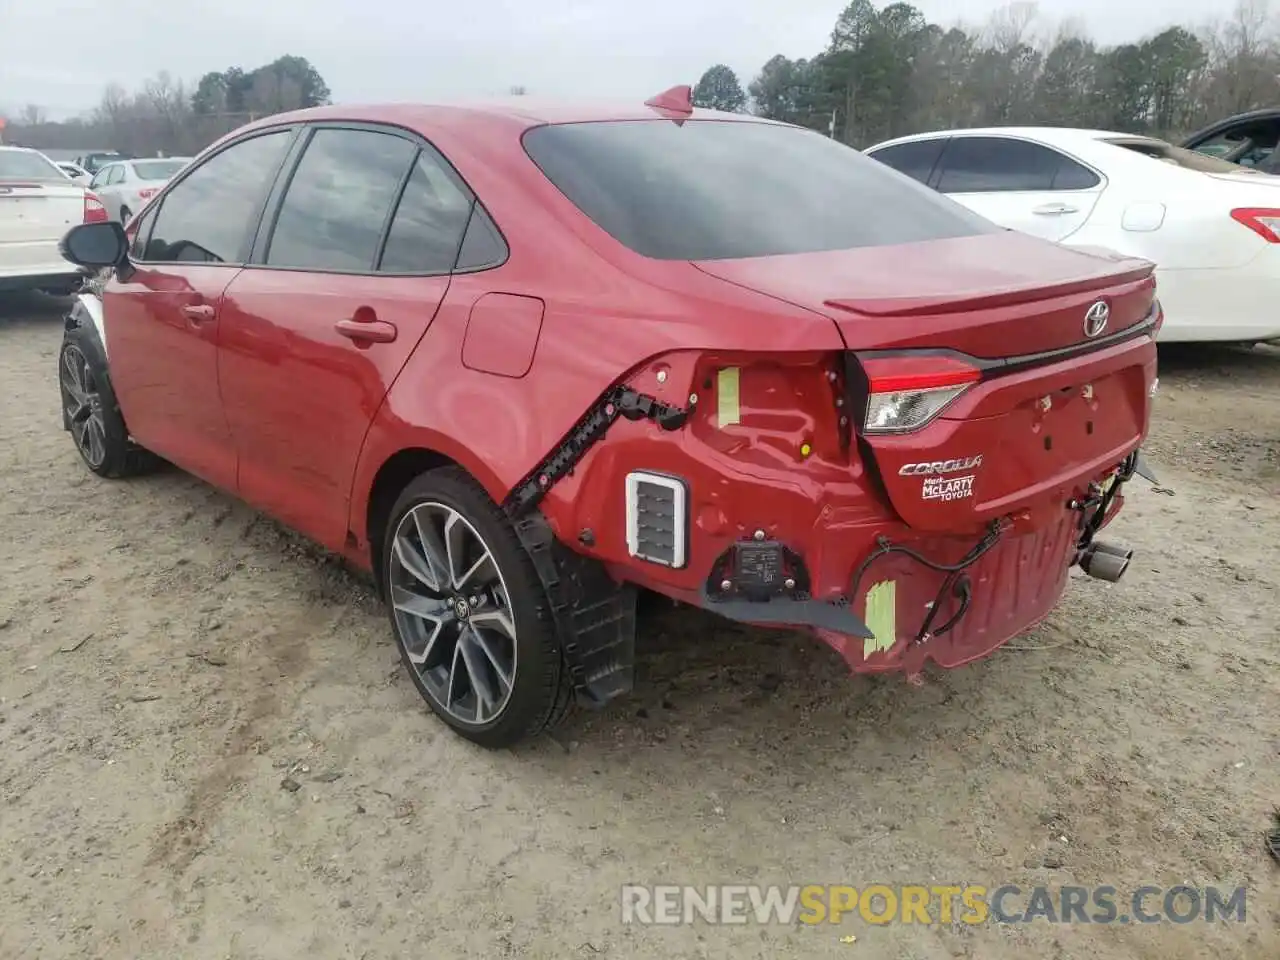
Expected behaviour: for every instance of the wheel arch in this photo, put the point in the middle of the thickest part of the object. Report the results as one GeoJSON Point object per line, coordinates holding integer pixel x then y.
{"type": "Point", "coordinates": [395, 470]}
{"type": "Point", "coordinates": [86, 313]}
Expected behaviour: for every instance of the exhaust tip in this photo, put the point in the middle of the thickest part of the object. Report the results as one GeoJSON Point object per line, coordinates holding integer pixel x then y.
{"type": "Point", "coordinates": [1106, 561]}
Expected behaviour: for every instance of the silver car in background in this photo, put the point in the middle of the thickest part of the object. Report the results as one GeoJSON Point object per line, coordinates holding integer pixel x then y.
{"type": "Point", "coordinates": [125, 185]}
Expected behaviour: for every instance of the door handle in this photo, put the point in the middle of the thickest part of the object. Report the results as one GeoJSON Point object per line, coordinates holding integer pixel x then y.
{"type": "Point", "coordinates": [1054, 210]}
{"type": "Point", "coordinates": [370, 331]}
{"type": "Point", "coordinates": [198, 312]}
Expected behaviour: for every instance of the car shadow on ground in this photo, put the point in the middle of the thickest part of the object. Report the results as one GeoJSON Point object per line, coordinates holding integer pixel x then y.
{"type": "Point", "coordinates": [702, 679]}
{"type": "Point", "coordinates": [31, 306]}
{"type": "Point", "coordinates": [1208, 361]}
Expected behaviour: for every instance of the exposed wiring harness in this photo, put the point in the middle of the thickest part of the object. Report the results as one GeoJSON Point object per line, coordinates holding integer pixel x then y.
{"type": "Point", "coordinates": [1095, 507]}
{"type": "Point", "coordinates": [955, 583]}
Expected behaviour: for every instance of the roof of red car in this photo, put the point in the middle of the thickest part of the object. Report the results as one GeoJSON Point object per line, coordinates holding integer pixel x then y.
{"type": "Point", "coordinates": [521, 111]}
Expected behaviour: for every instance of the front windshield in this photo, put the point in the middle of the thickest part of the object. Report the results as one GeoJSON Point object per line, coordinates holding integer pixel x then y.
{"type": "Point", "coordinates": [25, 165]}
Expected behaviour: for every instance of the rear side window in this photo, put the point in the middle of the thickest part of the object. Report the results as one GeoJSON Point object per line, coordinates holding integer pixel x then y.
{"type": "Point", "coordinates": [429, 221]}
{"type": "Point", "coordinates": [338, 201]}
{"type": "Point", "coordinates": [1073, 176]}
{"type": "Point", "coordinates": [1002, 164]}
{"type": "Point", "coordinates": [916, 159]}
{"type": "Point", "coordinates": [707, 189]}
{"type": "Point", "coordinates": [207, 216]}
{"type": "Point", "coordinates": [483, 246]}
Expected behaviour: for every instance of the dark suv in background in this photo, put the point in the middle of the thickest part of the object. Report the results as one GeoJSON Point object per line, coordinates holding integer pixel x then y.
{"type": "Point", "coordinates": [93, 162]}
{"type": "Point", "coordinates": [1248, 139]}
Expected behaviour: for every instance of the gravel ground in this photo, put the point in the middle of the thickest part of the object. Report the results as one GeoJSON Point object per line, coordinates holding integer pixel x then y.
{"type": "Point", "coordinates": [207, 749]}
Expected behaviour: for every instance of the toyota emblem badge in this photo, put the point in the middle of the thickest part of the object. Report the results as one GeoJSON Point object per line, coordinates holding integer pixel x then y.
{"type": "Point", "coordinates": [1095, 319]}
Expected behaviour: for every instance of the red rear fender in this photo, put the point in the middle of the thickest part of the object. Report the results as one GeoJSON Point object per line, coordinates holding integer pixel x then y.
{"type": "Point", "coordinates": [501, 425]}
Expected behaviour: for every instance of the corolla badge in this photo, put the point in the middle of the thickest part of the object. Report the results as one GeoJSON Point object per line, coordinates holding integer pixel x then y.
{"type": "Point", "coordinates": [1096, 318]}
{"type": "Point", "coordinates": [940, 466]}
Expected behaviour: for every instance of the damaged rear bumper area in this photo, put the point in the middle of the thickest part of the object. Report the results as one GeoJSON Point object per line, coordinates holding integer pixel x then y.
{"type": "Point", "coordinates": [772, 521]}
{"type": "Point", "coordinates": [912, 599]}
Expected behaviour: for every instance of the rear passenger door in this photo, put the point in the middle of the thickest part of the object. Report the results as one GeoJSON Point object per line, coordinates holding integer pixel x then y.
{"type": "Point", "coordinates": [1019, 184]}
{"type": "Point", "coordinates": [350, 265]}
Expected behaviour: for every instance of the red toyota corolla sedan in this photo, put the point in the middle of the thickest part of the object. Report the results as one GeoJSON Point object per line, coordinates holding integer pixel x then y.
{"type": "Point", "coordinates": [519, 360]}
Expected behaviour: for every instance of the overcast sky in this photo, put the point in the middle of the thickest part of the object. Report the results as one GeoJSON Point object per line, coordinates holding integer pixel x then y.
{"type": "Point", "coordinates": [61, 53]}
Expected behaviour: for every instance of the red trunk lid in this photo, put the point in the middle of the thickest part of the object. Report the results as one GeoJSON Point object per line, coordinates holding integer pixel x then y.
{"type": "Point", "coordinates": [990, 296]}
{"type": "Point", "coordinates": [1055, 405]}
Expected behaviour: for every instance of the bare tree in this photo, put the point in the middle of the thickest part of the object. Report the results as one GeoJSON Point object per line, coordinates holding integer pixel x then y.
{"type": "Point", "coordinates": [33, 115]}
{"type": "Point", "coordinates": [1243, 58]}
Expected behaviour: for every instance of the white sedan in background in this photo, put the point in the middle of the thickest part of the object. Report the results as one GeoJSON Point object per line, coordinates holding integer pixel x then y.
{"type": "Point", "coordinates": [1211, 227]}
{"type": "Point", "coordinates": [38, 205]}
{"type": "Point", "coordinates": [125, 185]}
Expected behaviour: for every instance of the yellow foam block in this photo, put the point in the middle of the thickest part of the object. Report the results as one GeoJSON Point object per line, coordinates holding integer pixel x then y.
{"type": "Point", "coordinates": [882, 617]}
{"type": "Point", "coordinates": [727, 397]}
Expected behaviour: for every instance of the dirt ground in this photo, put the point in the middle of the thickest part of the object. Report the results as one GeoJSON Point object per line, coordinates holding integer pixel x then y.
{"type": "Point", "coordinates": [168, 659]}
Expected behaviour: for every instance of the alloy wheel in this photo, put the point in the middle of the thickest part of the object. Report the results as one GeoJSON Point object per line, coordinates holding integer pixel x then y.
{"type": "Point", "coordinates": [83, 405]}
{"type": "Point", "coordinates": [453, 613]}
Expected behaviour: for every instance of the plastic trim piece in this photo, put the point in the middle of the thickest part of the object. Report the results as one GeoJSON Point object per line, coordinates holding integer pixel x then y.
{"type": "Point", "coordinates": [679, 518]}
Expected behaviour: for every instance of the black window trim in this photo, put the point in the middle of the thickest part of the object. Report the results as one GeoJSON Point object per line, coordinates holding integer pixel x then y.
{"type": "Point", "coordinates": [940, 167]}
{"type": "Point", "coordinates": [270, 213]}
{"type": "Point", "coordinates": [146, 221]}
{"type": "Point", "coordinates": [246, 242]}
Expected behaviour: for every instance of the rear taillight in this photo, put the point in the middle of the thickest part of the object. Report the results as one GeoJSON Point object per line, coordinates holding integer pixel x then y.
{"type": "Point", "coordinates": [94, 211]}
{"type": "Point", "coordinates": [908, 391]}
{"type": "Point", "coordinates": [1264, 221]}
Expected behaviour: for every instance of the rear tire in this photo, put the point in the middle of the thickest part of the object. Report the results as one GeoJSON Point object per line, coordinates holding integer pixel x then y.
{"type": "Point", "coordinates": [470, 616]}
{"type": "Point", "coordinates": [125, 214]}
{"type": "Point", "coordinates": [90, 412]}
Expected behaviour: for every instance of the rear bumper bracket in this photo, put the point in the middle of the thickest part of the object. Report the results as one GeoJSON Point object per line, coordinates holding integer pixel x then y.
{"type": "Point", "coordinates": [586, 433]}
{"type": "Point", "coordinates": [594, 615]}
{"type": "Point", "coordinates": [836, 616]}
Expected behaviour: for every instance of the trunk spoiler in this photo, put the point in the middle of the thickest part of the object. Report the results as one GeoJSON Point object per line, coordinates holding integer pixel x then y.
{"type": "Point", "coordinates": [988, 299]}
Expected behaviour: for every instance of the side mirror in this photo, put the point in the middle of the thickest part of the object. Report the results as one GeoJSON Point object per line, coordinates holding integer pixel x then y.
{"type": "Point", "coordinates": [95, 245]}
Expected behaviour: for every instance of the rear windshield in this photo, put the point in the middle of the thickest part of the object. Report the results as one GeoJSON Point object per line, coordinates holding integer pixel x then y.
{"type": "Point", "coordinates": [21, 165]}
{"type": "Point", "coordinates": [157, 169]}
{"type": "Point", "coordinates": [1179, 157]}
{"type": "Point", "coordinates": [712, 190]}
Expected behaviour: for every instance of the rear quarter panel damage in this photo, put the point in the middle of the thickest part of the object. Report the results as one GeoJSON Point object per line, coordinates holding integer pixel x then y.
{"type": "Point", "coordinates": [469, 403]}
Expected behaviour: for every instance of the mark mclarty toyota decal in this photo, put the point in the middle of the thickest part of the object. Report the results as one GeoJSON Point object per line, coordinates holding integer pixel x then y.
{"type": "Point", "coordinates": [947, 488]}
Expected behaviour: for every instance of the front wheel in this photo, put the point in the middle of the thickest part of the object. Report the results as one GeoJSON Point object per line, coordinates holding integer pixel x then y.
{"type": "Point", "coordinates": [471, 618]}
{"type": "Point", "coordinates": [90, 411]}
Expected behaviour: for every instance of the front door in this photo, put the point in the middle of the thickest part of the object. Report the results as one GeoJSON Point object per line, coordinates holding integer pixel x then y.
{"type": "Point", "coordinates": [1018, 184]}
{"type": "Point", "coordinates": [342, 290]}
{"type": "Point", "coordinates": [163, 318]}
